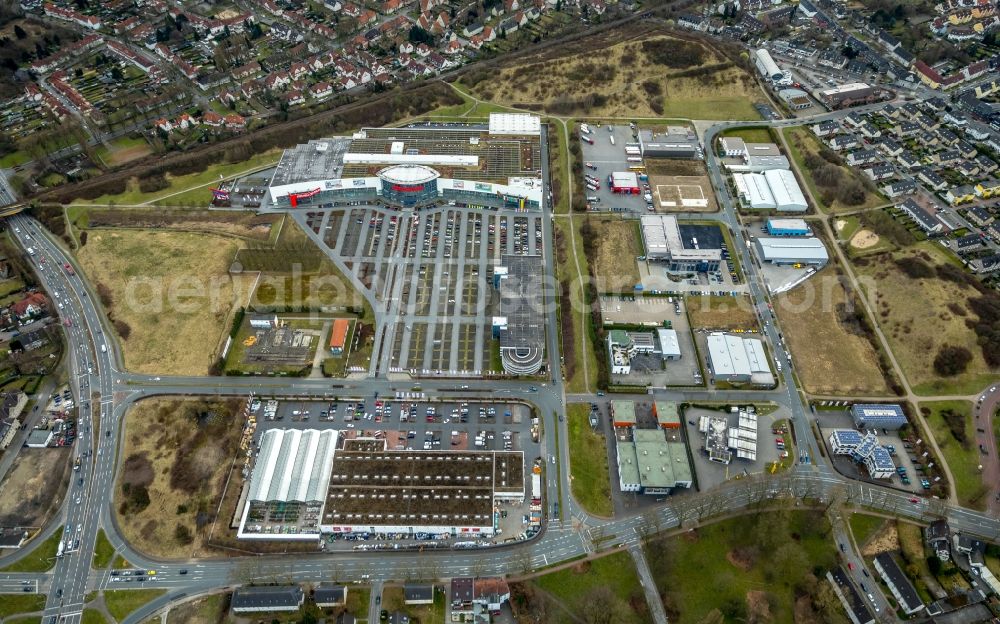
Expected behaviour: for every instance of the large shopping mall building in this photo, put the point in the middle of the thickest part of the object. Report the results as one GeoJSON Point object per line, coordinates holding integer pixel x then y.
{"type": "Point", "coordinates": [495, 165]}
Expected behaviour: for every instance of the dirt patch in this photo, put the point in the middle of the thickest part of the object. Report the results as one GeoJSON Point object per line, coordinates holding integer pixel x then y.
{"type": "Point", "coordinates": [741, 559]}
{"type": "Point", "coordinates": [682, 192]}
{"type": "Point", "coordinates": [721, 313]}
{"type": "Point", "coordinates": [758, 607]}
{"type": "Point", "coordinates": [137, 470]}
{"type": "Point", "coordinates": [887, 539]}
{"type": "Point", "coordinates": [35, 486]}
{"type": "Point", "coordinates": [864, 239]}
{"type": "Point", "coordinates": [839, 225]}
{"type": "Point", "coordinates": [612, 248]}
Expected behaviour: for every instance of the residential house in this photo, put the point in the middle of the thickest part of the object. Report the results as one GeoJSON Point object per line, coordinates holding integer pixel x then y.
{"type": "Point", "coordinates": [908, 160]}
{"type": "Point", "coordinates": [988, 188]}
{"type": "Point", "coordinates": [925, 220]}
{"type": "Point", "coordinates": [825, 128]}
{"type": "Point", "coordinates": [986, 265]}
{"type": "Point", "coordinates": [979, 215]}
{"type": "Point", "coordinates": [890, 147]}
{"type": "Point", "coordinates": [932, 179]}
{"type": "Point", "coordinates": [879, 172]}
{"type": "Point", "coordinates": [960, 195]}
{"type": "Point", "coordinates": [327, 596]}
{"type": "Point", "coordinates": [900, 586]}
{"type": "Point", "coordinates": [862, 157]}
{"type": "Point", "coordinates": [234, 121]}
{"type": "Point", "coordinates": [212, 119]}
{"type": "Point", "coordinates": [843, 142]}
{"type": "Point", "coordinates": [30, 306]}
{"type": "Point", "coordinates": [418, 594]}
{"type": "Point", "coordinates": [321, 90]}
{"type": "Point", "coordinates": [968, 243]}
{"type": "Point", "coordinates": [899, 188]}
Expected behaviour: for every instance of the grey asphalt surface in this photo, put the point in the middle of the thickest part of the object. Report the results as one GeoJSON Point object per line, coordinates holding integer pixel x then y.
{"type": "Point", "coordinates": [567, 536]}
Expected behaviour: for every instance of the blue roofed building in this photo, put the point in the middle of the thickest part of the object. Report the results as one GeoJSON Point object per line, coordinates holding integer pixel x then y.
{"type": "Point", "coordinates": [881, 416]}
{"type": "Point", "coordinates": [863, 449]}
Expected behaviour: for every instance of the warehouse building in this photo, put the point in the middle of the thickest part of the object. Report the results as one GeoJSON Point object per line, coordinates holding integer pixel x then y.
{"type": "Point", "coordinates": [796, 99]}
{"type": "Point", "coordinates": [677, 142]}
{"type": "Point", "coordinates": [670, 348]}
{"type": "Point", "coordinates": [623, 413]}
{"type": "Point", "coordinates": [662, 237]}
{"type": "Point", "coordinates": [766, 66]}
{"type": "Point", "coordinates": [880, 416]}
{"type": "Point", "coordinates": [626, 182]}
{"type": "Point", "coordinates": [865, 450]}
{"type": "Point", "coordinates": [846, 95]}
{"type": "Point", "coordinates": [667, 414]}
{"type": "Point", "coordinates": [774, 189]}
{"type": "Point", "coordinates": [737, 359]}
{"type": "Point", "coordinates": [496, 165]}
{"type": "Point", "coordinates": [651, 464]}
{"type": "Point", "coordinates": [787, 251]}
{"type": "Point", "coordinates": [520, 326]}
{"type": "Point", "coordinates": [338, 336]}
{"type": "Point", "coordinates": [787, 227]}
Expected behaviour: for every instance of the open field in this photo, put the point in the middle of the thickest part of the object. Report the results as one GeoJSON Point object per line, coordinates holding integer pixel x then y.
{"type": "Point", "coordinates": [720, 313]}
{"type": "Point", "coordinates": [575, 342]}
{"type": "Point", "coordinates": [123, 150]}
{"type": "Point", "coordinates": [951, 425]}
{"type": "Point", "coordinates": [613, 245]}
{"type": "Point", "coordinates": [392, 600]}
{"type": "Point", "coordinates": [591, 483]}
{"type": "Point", "coordinates": [764, 568]}
{"type": "Point", "coordinates": [124, 601]}
{"type": "Point", "coordinates": [35, 486]}
{"type": "Point", "coordinates": [170, 294]}
{"type": "Point", "coordinates": [42, 557]}
{"type": "Point", "coordinates": [238, 224]}
{"type": "Point", "coordinates": [646, 75]}
{"type": "Point", "coordinates": [916, 333]}
{"type": "Point", "coordinates": [751, 135]}
{"type": "Point", "coordinates": [805, 151]}
{"type": "Point", "coordinates": [829, 344]}
{"type": "Point", "coordinates": [864, 527]}
{"type": "Point", "coordinates": [93, 616]}
{"type": "Point", "coordinates": [178, 184]}
{"type": "Point", "coordinates": [14, 604]}
{"type": "Point", "coordinates": [208, 610]}
{"type": "Point", "coordinates": [609, 584]}
{"type": "Point", "coordinates": [173, 476]}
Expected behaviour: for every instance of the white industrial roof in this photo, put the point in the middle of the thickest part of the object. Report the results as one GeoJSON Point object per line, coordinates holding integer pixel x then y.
{"type": "Point", "coordinates": [798, 248]}
{"type": "Point", "coordinates": [408, 174]}
{"type": "Point", "coordinates": [846, 88]}
{"type": "Point", "coordinates": [668, 342]}
{"type": "Point", "coordinates": [788, 224]}
{"type": "Point", "coordinates": [624, 179]}
{"type": "Point", "coordinates": [755, 190]}
{"type": "Point", "coordinates": [293, 465]}
{"type": "Point", "coordinates": [732, 355]}
{"type": "Point", "coordinates": [515, 123]}
{"type": "Point", "coordinates": [785, 189]}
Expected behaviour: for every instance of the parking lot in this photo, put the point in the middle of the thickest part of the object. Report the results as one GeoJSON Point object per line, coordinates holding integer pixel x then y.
{"type": "Point", "coordinates": [440, 299]}
{"type": "Point", "coordinates": [602, 157]}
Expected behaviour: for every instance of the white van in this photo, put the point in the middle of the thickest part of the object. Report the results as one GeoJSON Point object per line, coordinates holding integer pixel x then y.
{"type": "Point", "coordinates": [104, 348]}
{"type": "Point", "coordinates": [593, 198]}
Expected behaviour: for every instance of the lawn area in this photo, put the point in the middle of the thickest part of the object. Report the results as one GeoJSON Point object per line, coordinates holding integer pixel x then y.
{"type": "Point", "coordinates": [170, 293]}
{"type": "Point", "coordinates": [831, 352]}
{"type": "Point", "coordinates": [721, 313]}
{"type": "Point", "coordinates": [916, 333]}
{"type": "Point", "coordinates": [628, 75]}
{"type": "Point", "coordinates": [751, 135]}
{"type": "Point", "coordinates": [961, 454]}
{"type": "Point", "coordinates": [41, 559]}
{"type": "Point", "coordinates": [207, 610]}
{"type": "Point", "coordinates": [750, 568]}
{"type": "Point", "coordinates": [590, 479]}
{"type": "Point", "coordinates": [864, 526]}
{"type": "Point", "coordinates": [177, 454]}
{"type": "Point", "coordinates": [29, 619]}
{"type": "Point", "coordinates": [212, 175]}
{"type": "Point", "coordinates": [92, 616]}
{"type": "Point", "coordinates": [580, 346]}
{"type": "Point", "coordinates": [846, 227]}
{"type": "Point", "coordinates": [12, 604]}
{"type": "Point", "coordinates": [124, 601]}
{"type": "Point", "coordinates": [612, 247]}
{"type": "Point", "coordinates": [13, 159]}
{"type": "Point", "coordinates": [805, 149]}
{"type": "Point", "coordinates": [123, 150]}
{"type": "Point", "coordinates": [104, 552]}
{"type": "Point", "coordinates": [11, 285]}
{"type": "Point", "coordinates": [607, 583]}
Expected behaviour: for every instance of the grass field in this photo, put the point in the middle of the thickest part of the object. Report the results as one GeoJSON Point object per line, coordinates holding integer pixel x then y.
{"type": "Point", "coordinates": [591, 483]}
{"type": "Point", "coordinates": [104, 552]}
{"type": "Point", "coordinates": [41, 559]}
{"type": "Point", "coordinates": [172, 289]}
{"type": "Point", "coordinates": [863, 527]}
{"type": "Point", "coordinates": [916, 332]}
{"type": "Point", "coordinates": [13, 604]}
{"type": "Point", "coordinates": [750, 135]}
{"type": "Point", "coordinates": [179, 184]}
{"type": "Point", "coordinates": [616, 245]}
{"type": "Point", "coordinates": [623, 80]}
{"type": "Point", "coordinates": [567, 273]}
{"type": "Point", "coordinates": [124, 601]}
{"type": "Point", "coordinates": [963, 459]}
{"type": "Point", "coordinates": [721, 313]}
{"type": "Point", "coordinates": [92, 616]}
{"type": "Point", "coordinates": [801, 142]}
{"type": "Point", "coordinates": [748, 568]}
{"type": "Point", "coordinates": [608, 583]}
{"type": "Point", "coordinates": [832, 355]}
{"type": "Point", "coordinates": [392, 600]}
{"type": "Point", "coordinates": [182, 467]}
{"type": "Point", "coordinates": [123, 150]}
{"type": "Point", "coordinates": [208, 610]}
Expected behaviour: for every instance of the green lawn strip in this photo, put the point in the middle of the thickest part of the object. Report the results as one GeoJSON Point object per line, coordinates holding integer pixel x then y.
{"type": "Point", "coordinates": [121, 602]}
{"type": "Point", "coordinates": [965, 384]}
{"type": "Point", "coordinates": [567, 273]}
{"type": "Point", "coordinates": [14, 159]}
{"type": "Point", "coordinates": [357, 601]}
{"type": "Point", "coordinates": [12, 604]}
{"type": "Point", "coordinates": [104, 552]}
{"type": "Point", "coordinates": [41, 559]}
{"type": "Point", "coordinates": [30, 619]}
{"type": "Point", "coordinates": [863, 527]}
{"type": "Point", "coordinates": [964, 461]}
{"type": "Point", "coordinates": [92, 616]}
{"type": "Point", "coordinates": [716, 566]}
{"type": "Point", "coordinates": [120, 563]}
{"type": "Point", "coordinates": [759, 134]}
{"type": "Point", "coordinates": [615, 572]}
{"type": "Point", "coordinates": [591, 481]}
